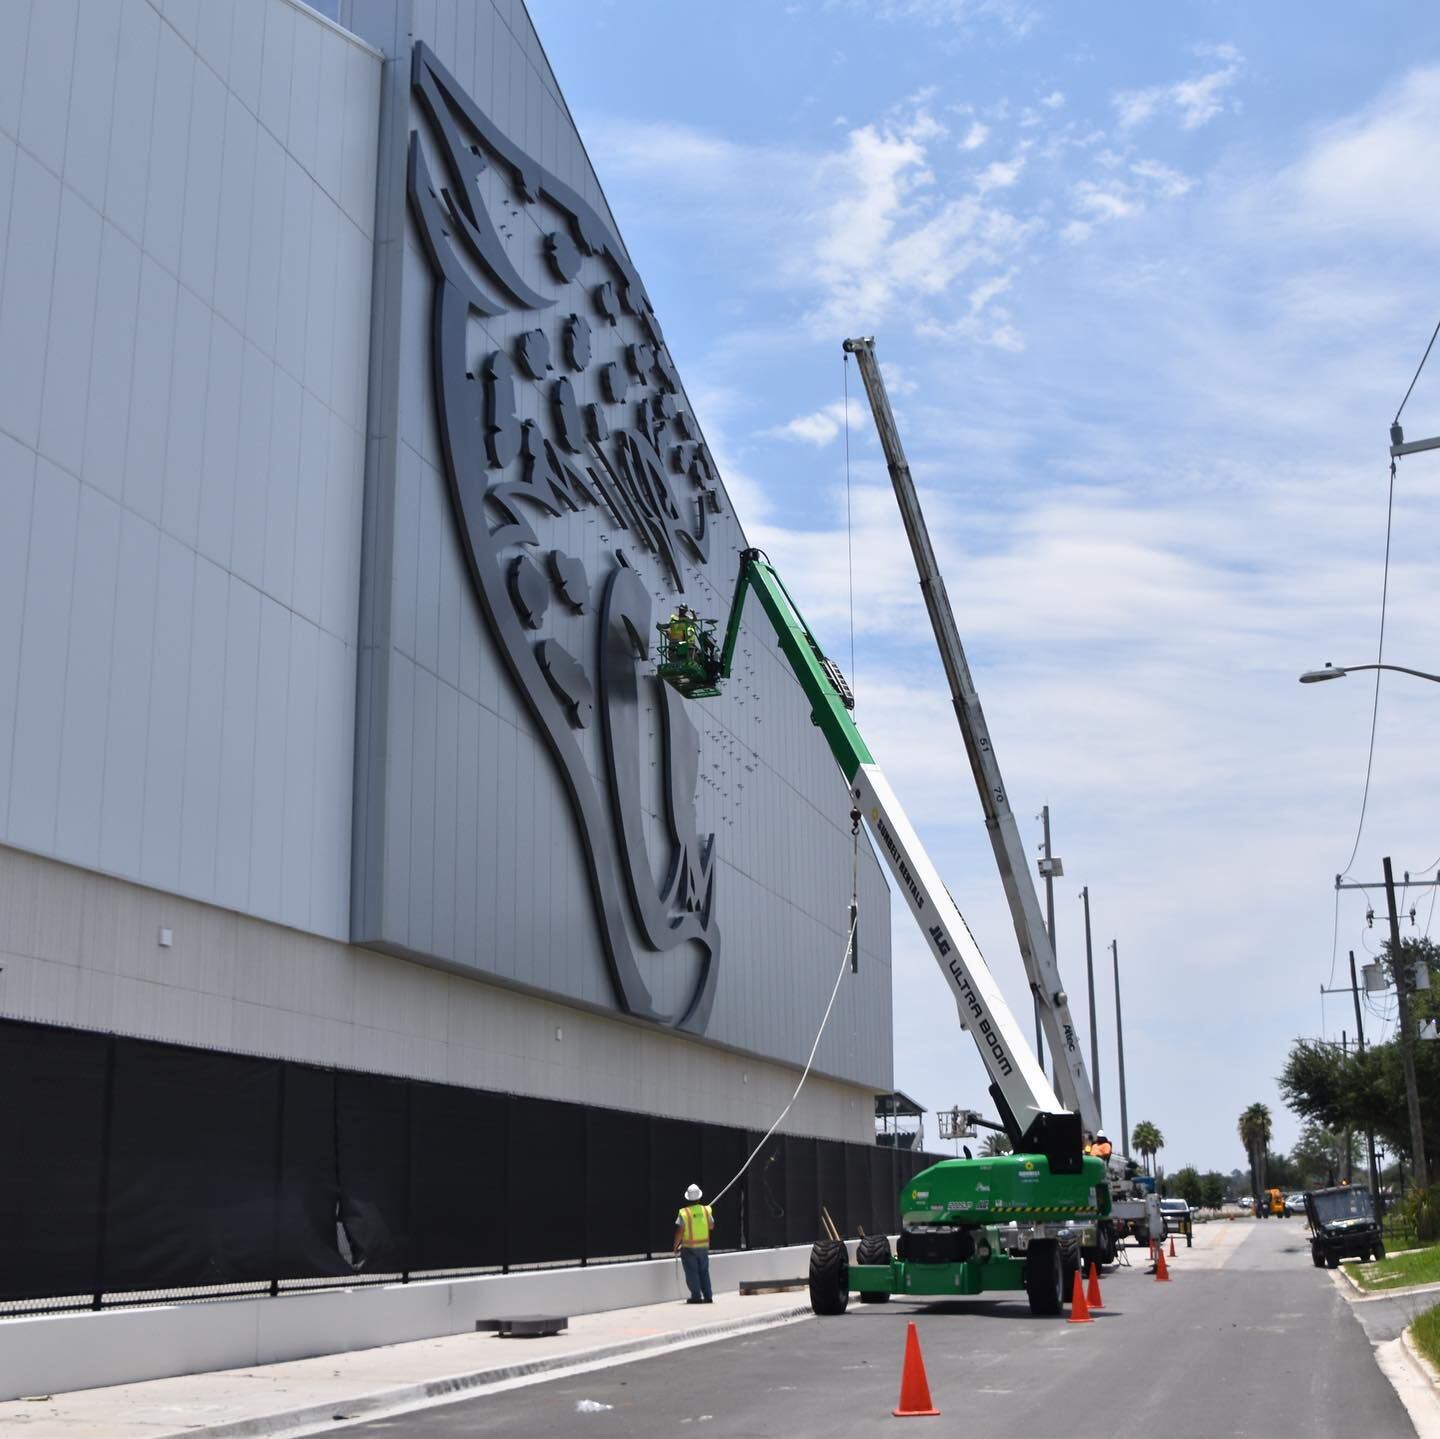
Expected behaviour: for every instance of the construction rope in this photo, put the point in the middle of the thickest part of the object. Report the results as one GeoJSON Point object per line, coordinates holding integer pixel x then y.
{"type": "Point", "coordinates": [849, 946]}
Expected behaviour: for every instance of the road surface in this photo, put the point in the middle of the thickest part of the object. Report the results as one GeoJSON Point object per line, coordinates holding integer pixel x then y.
{"type": "Point", "coordinates": [1249, 1339]}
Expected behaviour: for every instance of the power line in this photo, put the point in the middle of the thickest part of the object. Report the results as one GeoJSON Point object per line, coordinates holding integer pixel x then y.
{"type": "Point", "coordinates": [1418, 368]}
{"type": "Point", "coordinates": [1379, 656]}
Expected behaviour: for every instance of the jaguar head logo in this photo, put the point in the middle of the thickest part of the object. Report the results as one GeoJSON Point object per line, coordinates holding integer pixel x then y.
{"type": "Point", "coordinates": [583, 494]}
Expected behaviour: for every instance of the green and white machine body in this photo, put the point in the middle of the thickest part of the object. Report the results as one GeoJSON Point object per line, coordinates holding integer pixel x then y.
{"type": "Point", "coordinates": [970, 1222]}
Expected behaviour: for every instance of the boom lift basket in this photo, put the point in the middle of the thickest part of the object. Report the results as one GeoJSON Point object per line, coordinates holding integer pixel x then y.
{"type": "Point", "coordinates": [689, 657]}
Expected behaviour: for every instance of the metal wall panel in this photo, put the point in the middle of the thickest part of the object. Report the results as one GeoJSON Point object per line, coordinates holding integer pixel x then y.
{"type": "Point", "coordinates": [183, 173]}
{"type": "Point", "coordinates": [443, 837]}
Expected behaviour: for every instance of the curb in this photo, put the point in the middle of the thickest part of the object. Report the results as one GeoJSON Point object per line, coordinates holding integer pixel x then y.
{"type": "Point", "coordinates": [413, 1396]}
{"type": "Point", "coordinates": [1423, 1366]}
{"type": "Point", "coordinates": [1357, 1295]}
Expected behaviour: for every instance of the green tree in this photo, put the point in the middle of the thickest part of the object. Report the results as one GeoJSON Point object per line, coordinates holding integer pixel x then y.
{"type": "Point", "coordinates": [1319, 1156]}
{"type": "Point", "coordinates": [1254, 1126]}
{"type": "Point", "coordinates": [1363, 1091]}
{"type": "Point", "coordinates": [1185, 1184]}
{"type": "Point", "coordinates": [996, 1143]}
{"type": "Point", "coordinates": [1212, 1189]}
{"type": "Point", "coordinates": [1281, 1172]}
{"type": "Point", "coordinates": [1147, 1141]}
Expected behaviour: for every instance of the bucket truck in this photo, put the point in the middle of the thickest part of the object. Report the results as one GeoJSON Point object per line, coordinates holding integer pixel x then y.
{"type": "Point", "coordinates": [1012, 1222]}
{"type": "Point", "coordinates": [1135, 1212]}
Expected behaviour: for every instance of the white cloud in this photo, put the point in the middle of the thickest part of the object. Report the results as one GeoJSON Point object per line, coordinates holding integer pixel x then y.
{"type": "Point", "coordinates": [975, 136]}
{"type": "Point", "coordinates": [1054, 100]}
{"type": "Point", "coordinates": [1103, 202]}
{"type": "Point", "coordinates": [1000, 174]}
{"type": "Point", "coordinates": [819, 427]}
{"type": "Point", "coordinates": [1013, 16]}
{"type": "Point", "coordinates": [982, 294]}
{"type": "Point", "coordinates": [1194, 101]}
{"type": "Point", "coordinates": [1371, 171]}
{"type": "Point", "coordinates": [1169, 183]}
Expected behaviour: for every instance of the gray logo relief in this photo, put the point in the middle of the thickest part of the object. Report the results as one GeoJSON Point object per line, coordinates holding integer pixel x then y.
{"type": "Point", "coordinates": [522, 453]}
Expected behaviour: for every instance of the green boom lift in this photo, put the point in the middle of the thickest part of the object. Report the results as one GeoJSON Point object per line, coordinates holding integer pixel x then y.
{"type": "Point", "coordinates": [969, 1226]}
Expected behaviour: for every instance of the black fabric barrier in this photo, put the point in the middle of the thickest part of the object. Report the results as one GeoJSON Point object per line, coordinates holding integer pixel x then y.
{"type": "Point", "coordinates": [52, 1120]}
{"type": "Point", "coordinates": [304, 1241]}
{"type": "Point", "coordinates": [372, 1148]}
{"type": "Point", "coordinates": [764, 1181]}
{"type": "Point", "coordinates": [618, 1195]}
{"type": "Point", "coordinates": [802, 1191]}
{"type": "Point", "coordinates": [192, 1168]}
{"type": "Point", "coordinates": [546, 1181]}
{"type": "Point", "coordinates": [457, 1185]}
{"type": "Point", "coordinates": [134, 1166]}
{"type": "Point", "coordinates": [831, 1193]}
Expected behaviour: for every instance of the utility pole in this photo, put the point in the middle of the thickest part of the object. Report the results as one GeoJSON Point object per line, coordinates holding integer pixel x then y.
{"type": "Point", "coordinates": [1049, 868]}
{"type": "Point", "coordinates": [1349, 1134]}
{"type": "Point", "coordinates": [1120, 1049]}
{"type": "Point", "coordinates": [1094, 1018]}
{"type": "Point", "coordinates": [1407, 1038]}
{"type": "Point", "coordinates": [1360, 1049]}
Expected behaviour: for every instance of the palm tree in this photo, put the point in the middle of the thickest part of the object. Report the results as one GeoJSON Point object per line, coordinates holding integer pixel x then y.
{"type": "Point", "coordinates": [1254, 1127]}
{"type": "Point", "coordinates": [996, 1143]}
{"type": "Point", "coordinates": [1147, 1141]}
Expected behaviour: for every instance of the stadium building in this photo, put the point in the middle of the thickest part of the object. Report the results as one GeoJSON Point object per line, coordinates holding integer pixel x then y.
{"type": "Point", "coordinates": [364, 898]}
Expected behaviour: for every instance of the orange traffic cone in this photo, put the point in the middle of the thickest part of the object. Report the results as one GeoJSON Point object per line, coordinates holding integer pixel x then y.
{"type": "Point", "coordinates": [1172, 1246]}
{"type": "Point", "coordinates": [1162, 1270]}
{"type": "Point", "coordinates": [1079, 1309]}
{"type": "Point", "coordinates": [914, 1389]}
{"type": "Point", "coordinates": [1092, 1292]}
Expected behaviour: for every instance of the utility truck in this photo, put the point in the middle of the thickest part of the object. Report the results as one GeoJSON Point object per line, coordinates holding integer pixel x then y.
{"type": "Point", "coordinates": [1013, 1222]}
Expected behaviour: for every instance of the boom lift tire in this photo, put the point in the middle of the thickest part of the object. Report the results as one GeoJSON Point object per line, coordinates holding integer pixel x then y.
{"type": "Point", "coordinates": [1069, 1268]}
{"type": "Point", "coordinates": [1043, 1277]}
{"type": "Point", "coordinates": [1332, 1260]}
{"type": "Point", "coordinates": [873, 1249]}
{"type": "Point", "coordinates": [1317, 1256]}
{"type": "Point", "coordinates": [829, 1277]}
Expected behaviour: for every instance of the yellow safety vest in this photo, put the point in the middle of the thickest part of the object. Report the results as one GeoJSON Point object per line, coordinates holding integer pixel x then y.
{"type": "Point", "coordinates": [695, 1220]}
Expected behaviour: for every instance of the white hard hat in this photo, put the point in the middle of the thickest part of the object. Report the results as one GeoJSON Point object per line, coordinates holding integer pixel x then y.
{"type": "Point", "coordinates": [1100, 1134]}
{"type": "Point", "coordinates": [693, 1193]}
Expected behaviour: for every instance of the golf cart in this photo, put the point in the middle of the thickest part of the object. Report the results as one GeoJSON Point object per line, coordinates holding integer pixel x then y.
{"type": "Point", "coordinates": [1342, 1226]}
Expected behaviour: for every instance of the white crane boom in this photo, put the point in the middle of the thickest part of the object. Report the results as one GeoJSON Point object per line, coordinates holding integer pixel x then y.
{"type": "Point", "coordinates": [1036, 951]}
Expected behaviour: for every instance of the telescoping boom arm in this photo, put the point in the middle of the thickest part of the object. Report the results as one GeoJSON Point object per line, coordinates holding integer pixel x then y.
{"type": "Point", "coordinates": [1019, 1086]}
{"type": "Point", "coordinates": [1036, 950]}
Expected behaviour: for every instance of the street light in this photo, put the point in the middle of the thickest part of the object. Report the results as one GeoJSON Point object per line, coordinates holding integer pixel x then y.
{"type": "Point", "coordinates": [1338, 672]}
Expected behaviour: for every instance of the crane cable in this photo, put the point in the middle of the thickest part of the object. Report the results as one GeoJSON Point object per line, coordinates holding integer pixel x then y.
{"type": "Point", "coordinates": [850, 956]}
{"type": "Point", "coordinates": [849, 523]}
{"type": "Point", "coordinates": [809, 1063]}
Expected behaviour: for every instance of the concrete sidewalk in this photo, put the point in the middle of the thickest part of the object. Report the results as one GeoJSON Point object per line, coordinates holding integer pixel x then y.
{"type": "Point", "coordinates": [277, 1399]}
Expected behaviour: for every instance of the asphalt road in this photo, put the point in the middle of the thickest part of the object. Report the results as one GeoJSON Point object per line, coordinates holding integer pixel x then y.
{"type": "Point", "coordinates": [1249, 1339]}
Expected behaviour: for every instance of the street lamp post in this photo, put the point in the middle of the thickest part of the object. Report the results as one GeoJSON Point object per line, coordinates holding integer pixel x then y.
{"type": "Point", "coordinates": [1338, 672]}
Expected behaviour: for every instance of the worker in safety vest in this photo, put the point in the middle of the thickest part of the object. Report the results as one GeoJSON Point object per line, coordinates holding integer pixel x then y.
{"type": "Point", "coordinates": [1100, 1148]}
{"type": "Point", "coordinates": [682, 629]}
{"type": "Point", "coordinates": [693, 1225]}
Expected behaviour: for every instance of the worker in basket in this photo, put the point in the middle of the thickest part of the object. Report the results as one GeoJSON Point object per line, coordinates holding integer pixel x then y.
{"type": "Point", "coordinates": [1099, 1146]}
{"type": "Point", "coordinates": [689, 645]}
{"type": "Point", "coordinates": [682, 629]}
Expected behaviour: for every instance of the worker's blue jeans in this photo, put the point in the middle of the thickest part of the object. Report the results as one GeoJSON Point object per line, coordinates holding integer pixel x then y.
{"type": "Point", "coordinates": [697, 1271]}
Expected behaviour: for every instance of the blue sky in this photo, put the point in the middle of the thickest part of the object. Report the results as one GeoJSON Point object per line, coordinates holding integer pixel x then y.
{"type": "Point", "coordinates": [1148, 283]}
